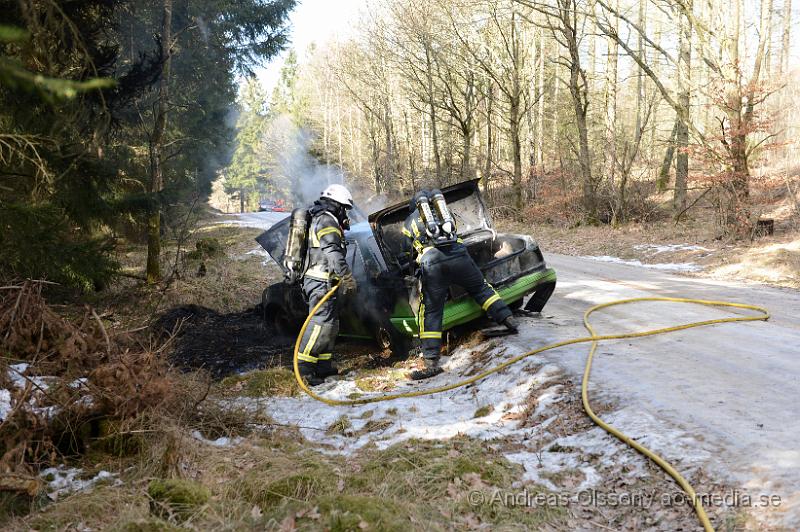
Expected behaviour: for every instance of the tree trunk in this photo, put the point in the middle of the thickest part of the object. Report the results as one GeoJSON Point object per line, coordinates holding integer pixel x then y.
{"type": "Point", "coordinates": [516, 153]}
{"type": "Point", "coordinates": [610, 152]}
{"type": "Point", "coordinates": [489, 139]}
{"type": "Point", "coordinates": [432, 110]}
{"type": "Point", "coordinates": [540, 138]}
{"type": "Point", "coordinates": [684, 95]}
{"type": "Point", "coordinates": [785, 37]}
{"type": "Point", "coordinates": [156, 146]}
{"type": "Point", "coordinates": [663, 174]}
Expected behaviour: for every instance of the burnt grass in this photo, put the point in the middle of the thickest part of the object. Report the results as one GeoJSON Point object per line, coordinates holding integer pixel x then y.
{"type": "Point", "coordinates": [222, 344]}
{"type": "Point", "coordinates": [237, 342]}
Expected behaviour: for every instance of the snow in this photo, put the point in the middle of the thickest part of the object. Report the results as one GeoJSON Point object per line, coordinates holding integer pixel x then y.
{"type": "Point", "coordinates": [5, 404]}
{"type": "Point", "coordinates": [664, 266]}
{"type": "Point", "coordinates": [266, 260]}
{"type": "Point", "coordinates": [655, 249]}
{"type": "Point", "coordinates": [438, 416]}
{"type": "Point", "coordinates": [258, 220]}
{"type": "Point", "coordinates": [222, 441]}
{"type": "Point", "coordinates": [62, 480]}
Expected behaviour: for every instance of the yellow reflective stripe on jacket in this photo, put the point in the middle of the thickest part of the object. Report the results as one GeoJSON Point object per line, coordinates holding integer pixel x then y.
{"type": "Point", "coordinates": [324, 356]}
{"type": "Point", "coordinates": [415, 228]}
{"type": "Point", "coordinates": [422, 250]}
{"type": "Point", "coordinates": [328, 231]}
{"type": "Point", "coordinates": [489, 302]}
{"type": "Point", "coordinates": [306, 358]}
{"type": "Point", "coordinates": [430, 335]}
{"type": "Point", "coordinates": [407, 233]}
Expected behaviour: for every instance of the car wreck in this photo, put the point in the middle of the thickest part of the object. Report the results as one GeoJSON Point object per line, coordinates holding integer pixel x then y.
{"type": "Point", "coordinates": [384, 306]}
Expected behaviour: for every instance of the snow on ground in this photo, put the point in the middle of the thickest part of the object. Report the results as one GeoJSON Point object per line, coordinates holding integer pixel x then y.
{"type": "Point", "coordinates": [437, 416]}
{"type": "Point", "coordinates": [222, 441]}
{"type": "Point", "coordinates": [259, 252]}
{"type": "Point", "coordinates": [664, 266]}
{"type": "Point", "coordinates": [655, 249]}
{"type": "Point", "coordinates": [588, 455]}
{"type": "Point", "coordinates": [64, 480]}
{"type": "Point", "coordinates": [5, 403]}
{"type": "Point", "coordinates": [258, 220]}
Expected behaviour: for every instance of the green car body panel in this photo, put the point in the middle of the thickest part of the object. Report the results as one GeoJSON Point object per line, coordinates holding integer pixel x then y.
{"type": "Point", "coordinates": [465, 309]}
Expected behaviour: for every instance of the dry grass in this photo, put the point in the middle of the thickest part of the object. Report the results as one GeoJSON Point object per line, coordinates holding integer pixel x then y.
{"type": "Point", "coordinates": [279, 480]}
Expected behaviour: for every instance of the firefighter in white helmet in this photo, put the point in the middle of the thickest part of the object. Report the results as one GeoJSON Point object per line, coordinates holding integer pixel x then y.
{"type": "Point", "coordinates": [326, 266]}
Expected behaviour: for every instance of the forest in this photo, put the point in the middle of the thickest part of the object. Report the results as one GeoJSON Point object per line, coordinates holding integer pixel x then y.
{"type": "Point", "coordinates": [600, 112]}
{"type": "Point", "coordinates": [116, 117]}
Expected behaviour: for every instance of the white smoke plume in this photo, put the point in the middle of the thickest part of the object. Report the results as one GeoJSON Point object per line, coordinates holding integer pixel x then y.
{"type": "Point", "coordinates": [294, 168]}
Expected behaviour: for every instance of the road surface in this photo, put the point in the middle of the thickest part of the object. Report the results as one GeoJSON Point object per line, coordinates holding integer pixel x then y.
{"type": "Point", "coordinates": [735, 385]}
{"type": "Point", "coordinates": [259, 220]}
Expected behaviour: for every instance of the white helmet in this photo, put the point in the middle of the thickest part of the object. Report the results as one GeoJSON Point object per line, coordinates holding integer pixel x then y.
{"type": "Point", "coordinates": [339, 194]}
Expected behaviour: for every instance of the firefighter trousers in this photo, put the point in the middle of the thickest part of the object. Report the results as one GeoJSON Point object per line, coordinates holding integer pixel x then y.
{"type": "Point", "coordinates": [439, 269]}
{"type": "Point", "coordinates": [320, 335]}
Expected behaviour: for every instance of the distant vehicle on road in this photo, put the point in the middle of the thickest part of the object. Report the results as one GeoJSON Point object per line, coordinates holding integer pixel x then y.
{"type": "Point", "coordinates": [383, 307]}
{"type": "Point", "coordinates": [272, 206]}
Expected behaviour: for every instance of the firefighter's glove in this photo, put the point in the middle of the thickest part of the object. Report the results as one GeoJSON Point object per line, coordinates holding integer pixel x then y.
{"type": "Point", "coordinates": [347, 284]}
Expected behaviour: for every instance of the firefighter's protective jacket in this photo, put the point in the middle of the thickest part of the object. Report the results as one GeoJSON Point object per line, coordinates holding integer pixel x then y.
{"type": "Point", "coordinates": [326, 247]}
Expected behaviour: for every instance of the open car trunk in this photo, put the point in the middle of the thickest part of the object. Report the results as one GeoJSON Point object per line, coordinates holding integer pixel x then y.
{"type": "Point", "coordinates": [466, 205]}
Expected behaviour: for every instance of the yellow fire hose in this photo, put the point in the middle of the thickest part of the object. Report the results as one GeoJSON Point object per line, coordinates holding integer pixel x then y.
{"type": "Point", "coordinates": [593, 339]}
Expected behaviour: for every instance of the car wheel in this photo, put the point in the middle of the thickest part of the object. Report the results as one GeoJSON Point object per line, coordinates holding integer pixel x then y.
{"type": "Point", "coordinates": [391, 341]}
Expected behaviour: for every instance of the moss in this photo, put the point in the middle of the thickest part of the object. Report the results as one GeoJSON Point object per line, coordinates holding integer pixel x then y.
{"type": "Point", "coordinates": [99, 508]}
{"type": "Point", "coordinates": [296, 480]}
{"type": "Point", "coordinates": [176, 497]}
{"type": "Point", "coordinates": [356, 513]}
{"type": "Point", "coordinates": [483, 411]}
{"type": "Point", "coordinates": [206, 248]}
{"type": "Point", "coordinates": [261, 383]}
{"type": "Point", "coordinates": [341, 426]}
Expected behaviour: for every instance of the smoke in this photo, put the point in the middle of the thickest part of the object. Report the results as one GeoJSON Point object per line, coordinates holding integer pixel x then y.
{"type": "Point", "coordinates": [294, 167]}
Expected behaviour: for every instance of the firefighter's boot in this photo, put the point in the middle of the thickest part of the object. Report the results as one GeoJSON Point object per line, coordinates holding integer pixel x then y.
{"type": "Point", "coordinates": [308, 370]}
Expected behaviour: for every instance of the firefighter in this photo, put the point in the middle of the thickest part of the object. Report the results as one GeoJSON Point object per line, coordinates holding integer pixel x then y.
{"type": "Point", "coordinates": [440, 259]}
{"type": "Point", "coordinates": [326, 265]}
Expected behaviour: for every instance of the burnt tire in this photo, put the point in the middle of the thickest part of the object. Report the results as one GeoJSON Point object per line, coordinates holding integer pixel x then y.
{"type": "Point", "coordinates": [389, 339]}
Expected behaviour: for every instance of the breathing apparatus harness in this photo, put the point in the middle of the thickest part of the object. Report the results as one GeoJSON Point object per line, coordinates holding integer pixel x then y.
{"type": "Point", "coordinates": [295, 257]}
{"type": "Point", "coordinates": [438, 226]}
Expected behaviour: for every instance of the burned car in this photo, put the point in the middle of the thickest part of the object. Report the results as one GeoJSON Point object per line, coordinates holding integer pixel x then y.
{"type": "Point", "coordinates": [384, 306]}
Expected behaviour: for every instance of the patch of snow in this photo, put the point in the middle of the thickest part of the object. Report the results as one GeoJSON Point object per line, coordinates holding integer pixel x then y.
{"type": "Point", "coordinates": [438, 416]}
{"type": "Point", "coordinates": [257, 220]}
{"type": "Point", "coordinates": [664, 266]}
{"type": "Point", "coordinates": [5, 403]}
{"type": "Point", "coordinates": [259, 252]}
{"type": "Point", "coordinates": [665, 248]}
{"type": "Point", "coordinates": [219, 442]}
{"type": "Point", "coordinates": [62, 480]}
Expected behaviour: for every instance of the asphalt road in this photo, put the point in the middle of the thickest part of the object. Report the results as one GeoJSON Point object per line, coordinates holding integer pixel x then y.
{"type": "Point", "coordinates": [735, 386]}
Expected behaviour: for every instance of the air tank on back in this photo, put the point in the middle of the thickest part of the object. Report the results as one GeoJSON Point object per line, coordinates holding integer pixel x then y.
{"type": "Point", "coordinates": [446, 222]}
{"type": "Point", "coordinates": [294, 256]}
{"type": "Point", "coordinates": [428, 218]}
